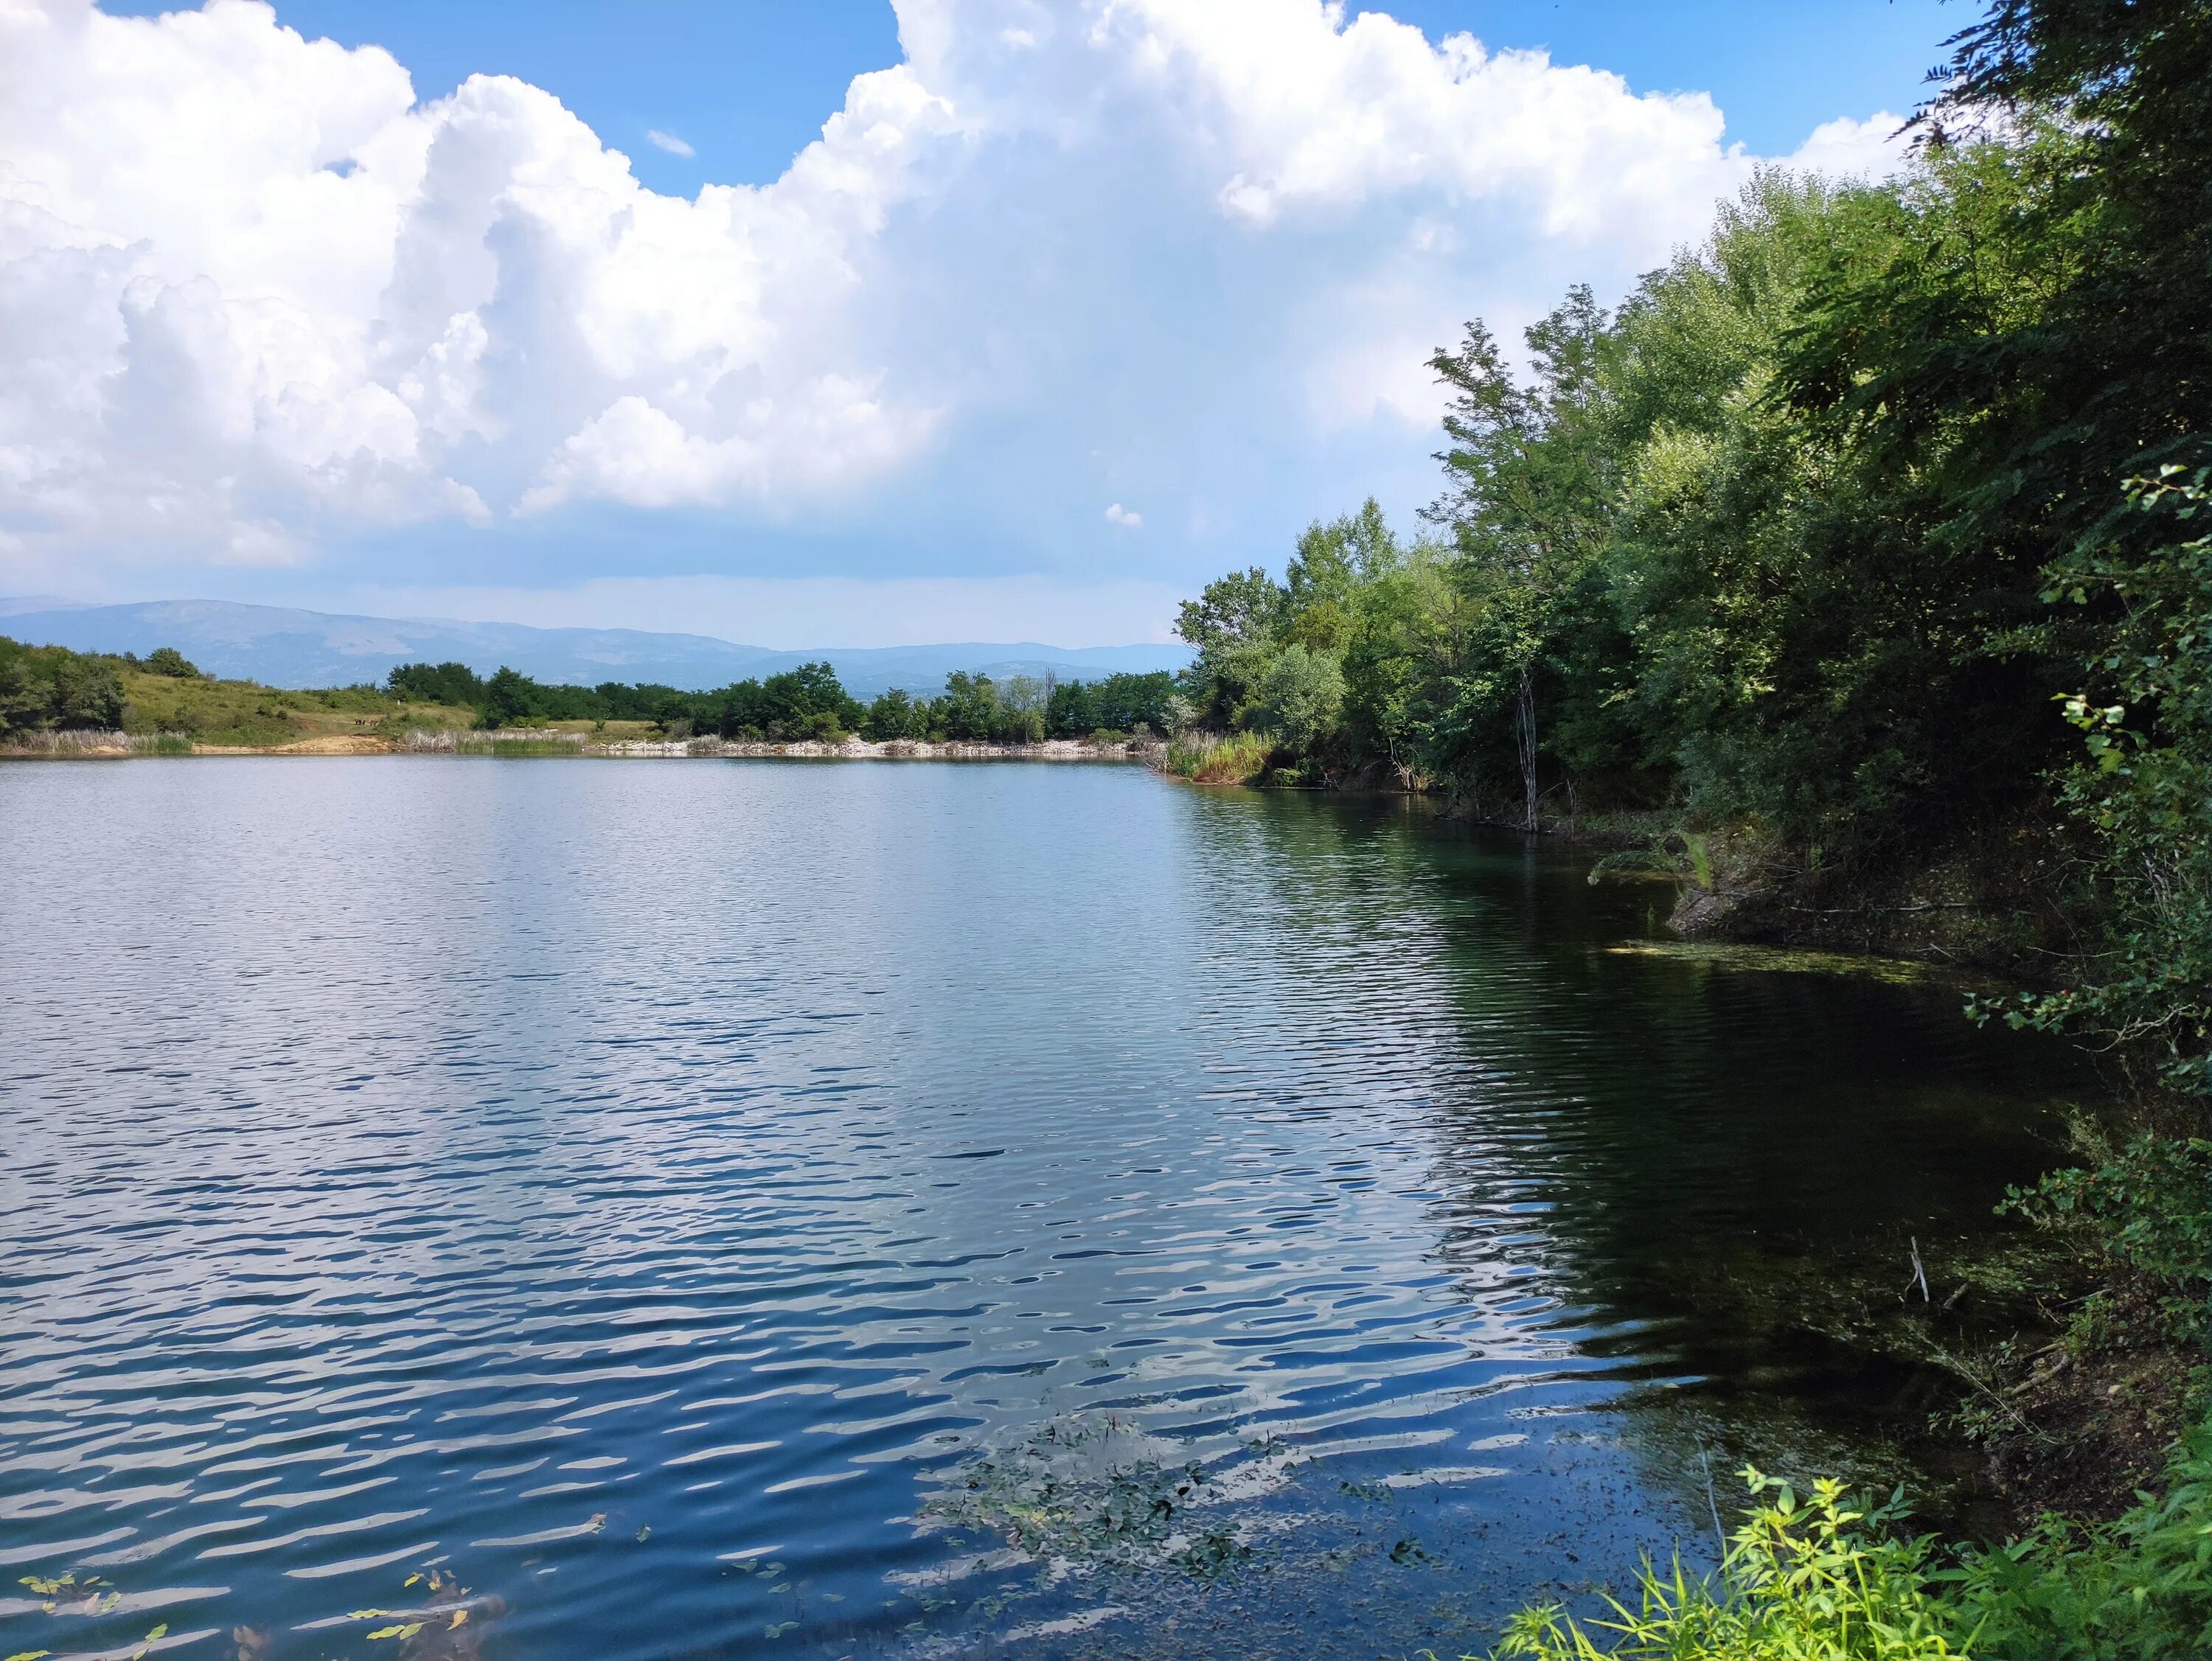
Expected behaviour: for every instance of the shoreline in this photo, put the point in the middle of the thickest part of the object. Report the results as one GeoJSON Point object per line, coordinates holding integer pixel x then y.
{"type": "Point", "coordinates": [528, 743]}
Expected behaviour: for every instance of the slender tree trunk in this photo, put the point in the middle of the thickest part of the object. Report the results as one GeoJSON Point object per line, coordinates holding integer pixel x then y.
{"type": "Point", "coordinates": [1524, 731]}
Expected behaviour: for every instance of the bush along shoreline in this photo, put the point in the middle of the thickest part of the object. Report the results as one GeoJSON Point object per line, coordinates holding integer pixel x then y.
{"type": "Point", "coordinates": [1823, 1577]}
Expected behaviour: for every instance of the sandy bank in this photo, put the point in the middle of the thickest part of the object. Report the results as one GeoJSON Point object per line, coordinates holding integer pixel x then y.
{"type": "Point", "coordinates": [347, 743]}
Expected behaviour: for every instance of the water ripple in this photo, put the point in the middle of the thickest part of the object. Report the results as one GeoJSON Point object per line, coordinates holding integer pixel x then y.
{"type": "Point", "coordinates": [648, 1197]}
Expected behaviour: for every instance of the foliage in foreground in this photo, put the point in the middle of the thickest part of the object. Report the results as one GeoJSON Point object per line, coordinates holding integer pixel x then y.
{"type": "Point", "coordinates": [2140, 1216]}
{"type": "Point", "coordinates": [2144, 789]}
{"type": "Point", "coordinates": [2134, 1589]}
{"type": "Point", "coordinates": [1815, 1579]}
{"type": "Point", "coordinates": [1824, 1579]}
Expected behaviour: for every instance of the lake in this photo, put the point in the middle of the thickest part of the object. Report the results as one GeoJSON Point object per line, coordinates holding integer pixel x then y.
{"type": "Point", "coordinates": [749, 1208]}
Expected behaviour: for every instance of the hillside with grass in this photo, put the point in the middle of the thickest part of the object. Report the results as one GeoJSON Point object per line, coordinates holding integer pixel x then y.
{"type": "Point", "coordinates": [49, 692]}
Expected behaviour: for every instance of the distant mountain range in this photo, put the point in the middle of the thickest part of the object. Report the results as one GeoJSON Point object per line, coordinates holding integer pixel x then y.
{"type": "Point", "coordinates": [286, 648]}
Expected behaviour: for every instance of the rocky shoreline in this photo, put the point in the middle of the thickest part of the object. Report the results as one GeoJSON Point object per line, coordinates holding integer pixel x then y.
{"type": "Point", "coordinates": [98, 745]}
{"type": "Point", "coordinates": [527, 741]}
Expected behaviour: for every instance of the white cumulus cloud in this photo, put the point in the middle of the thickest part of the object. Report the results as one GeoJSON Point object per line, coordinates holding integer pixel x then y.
{"type": "Point", "coordinates": [1847, 149]}
{"type": "Point", "coordinates": [258, 303]}
{"type": "Point", "coordinates": [668, 141]}
{"type": "Point", "coordinates": [246, 279]}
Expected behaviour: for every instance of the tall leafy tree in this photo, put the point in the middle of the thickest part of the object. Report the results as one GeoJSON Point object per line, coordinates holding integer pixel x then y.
{"type": "Point", "coordinates": [1527, 483]}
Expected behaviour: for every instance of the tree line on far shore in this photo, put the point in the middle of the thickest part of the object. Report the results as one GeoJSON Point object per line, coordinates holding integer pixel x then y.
{"type": "Point", "coordinates": [809, 703]}
{"type": "Point", "coordinates": [50, 689]}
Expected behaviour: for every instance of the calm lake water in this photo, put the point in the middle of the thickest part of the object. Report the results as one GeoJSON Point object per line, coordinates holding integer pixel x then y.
{"type": "Point", "coordinates": [735, 1209]}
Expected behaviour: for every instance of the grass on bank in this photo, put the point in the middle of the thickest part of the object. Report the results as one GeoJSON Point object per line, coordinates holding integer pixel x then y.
{"type": "Point", "coordinates": [244, 712]}
{"type": "Point", "coordinates": [1210, 758]}
{"type": "Point", "coordinates": [1817, 1579]}
{"type": "Point", "coordinates": [1823, 1579]}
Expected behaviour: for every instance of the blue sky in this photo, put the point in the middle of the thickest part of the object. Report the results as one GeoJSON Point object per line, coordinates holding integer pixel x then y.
{"type": "Point", "coordinates": [747, 82]}
{"type": "Point", "coordinates": [1072, 306]}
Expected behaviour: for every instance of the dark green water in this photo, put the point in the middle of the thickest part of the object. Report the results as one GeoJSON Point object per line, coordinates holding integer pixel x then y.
{"type": "Point", "coordinates": [840, 1210]}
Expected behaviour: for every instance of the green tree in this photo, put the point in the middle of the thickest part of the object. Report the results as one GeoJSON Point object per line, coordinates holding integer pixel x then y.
{"type": "Point", "coordinates": [2144, 794]}
{"type": "Point", "coordinates": [46, 687]}
{"type": "Point", "coordinates": [807, 702]}
{"type": "Point", "coordinates": [967, 708]}
{"type": "Point", "coordinates": [1527, 484]}
{"type": "Point", "coordinates": [507, 698]}
{"type": "Point", "coordinates": [1299, 696]}
{"type": "Point", "coordinates": [894, 715]}
{"type": "Point", "coordinates": [1018, 716]}
{"type": "Point", "coordinates": [1231, 626]}
{"type": "Point", "coordinates": [1074, 709]}
{"type": "Point", "coordinates": [449, 683]}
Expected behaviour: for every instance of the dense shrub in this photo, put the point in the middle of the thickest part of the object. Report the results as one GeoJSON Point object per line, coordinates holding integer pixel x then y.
{"type": "Point", "coordinates": [44, 688]}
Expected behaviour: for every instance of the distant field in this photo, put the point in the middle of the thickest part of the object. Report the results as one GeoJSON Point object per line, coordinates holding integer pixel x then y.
{"type": "Point", "coordinates": [241, 712]}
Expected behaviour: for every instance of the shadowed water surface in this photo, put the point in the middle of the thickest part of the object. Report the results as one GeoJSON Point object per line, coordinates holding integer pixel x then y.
{"type": "Point", "coordinates": [839, 1209]}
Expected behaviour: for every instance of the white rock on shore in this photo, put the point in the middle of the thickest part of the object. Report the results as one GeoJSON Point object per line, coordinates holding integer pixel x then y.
{"type": "Point", "coordinates": [853, 749]}
{"type": "Point", "coordinates": [897, 749]}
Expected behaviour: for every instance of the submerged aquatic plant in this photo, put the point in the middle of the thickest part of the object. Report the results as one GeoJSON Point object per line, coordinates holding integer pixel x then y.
{"type": "Point", "coordinates": [86, 1598]}
{"type": "Point", "coordinates": [1788, 960]}
{"type": "Point", "coordinates": [1094, 1494]}
{"type": "Point", "coordinates": [448, 1624]}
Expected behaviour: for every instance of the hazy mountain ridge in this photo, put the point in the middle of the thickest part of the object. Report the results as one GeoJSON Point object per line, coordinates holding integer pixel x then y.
{"type": "Point", "coordinates": [282, 646]}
